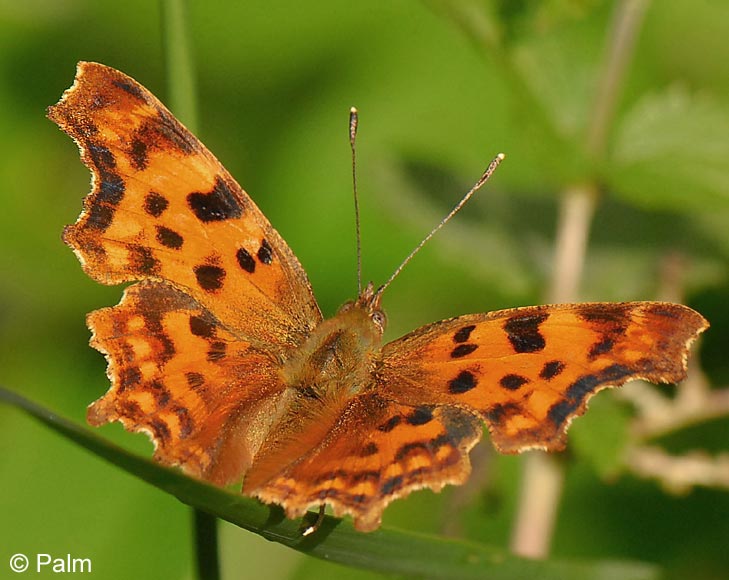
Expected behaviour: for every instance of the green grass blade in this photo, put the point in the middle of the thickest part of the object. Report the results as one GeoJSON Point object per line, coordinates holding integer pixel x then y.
{"type": "Point", "coordinates": [179, 63]}
{"type": "Point", "coordinates": [386, 550]}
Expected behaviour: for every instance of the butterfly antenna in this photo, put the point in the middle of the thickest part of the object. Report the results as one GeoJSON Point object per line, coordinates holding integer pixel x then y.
{"type": "Point", "coordinates": [484, 178]}
{"type": "Point", "coordinates": [353, 122]}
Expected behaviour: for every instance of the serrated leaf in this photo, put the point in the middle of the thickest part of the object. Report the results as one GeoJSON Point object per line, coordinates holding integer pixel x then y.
{"type": "Point", "coordinates": [386, 550]}
{"type": "Point", "coordinates": [671, 151]}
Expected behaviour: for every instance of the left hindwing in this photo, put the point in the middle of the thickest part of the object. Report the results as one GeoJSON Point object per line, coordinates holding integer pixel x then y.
{"type": "Point", "coordinates": [529, 371]}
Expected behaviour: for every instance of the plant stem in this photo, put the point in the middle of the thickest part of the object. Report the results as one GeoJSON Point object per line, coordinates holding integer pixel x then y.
{"type": "Point", "coordinates": [183, 101]}
{"type": "Point", "coordinates": [205, 527]}
{"type": "Point", "coordinates": [627, 20]}
{"type": "Point", "coordinates": [541, 489]}
{"type": "Point", "coordinates": [576, 211]}
{"type": "Point", "coordinates": [178, 60]}
{"type": "Point", "coordinates": [543, 476]}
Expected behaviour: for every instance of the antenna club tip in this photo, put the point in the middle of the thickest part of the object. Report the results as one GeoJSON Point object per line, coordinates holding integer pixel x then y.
{"type": "Point", "coordinates": [353, 110]}
{"type": "Point", "coordinates": [501, 157]}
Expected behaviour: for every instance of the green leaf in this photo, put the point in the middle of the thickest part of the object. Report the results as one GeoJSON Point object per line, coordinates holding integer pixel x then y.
{"type": "Point", "coordinates": [386, 550]}
{"type": "Point", "coordinates": [601, 440]}
{"type": "Point", "coordinates": [542, 59]}
{"type": "Point", "coordinates": [671, 151]}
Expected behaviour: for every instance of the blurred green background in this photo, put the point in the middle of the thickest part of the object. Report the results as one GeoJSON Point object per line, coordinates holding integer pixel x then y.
{"type": "Point", "coordinates": [441, 88]}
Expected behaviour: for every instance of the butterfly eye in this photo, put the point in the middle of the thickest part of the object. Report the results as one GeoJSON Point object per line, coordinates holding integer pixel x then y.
{"type": "Point", "coordinates": [379, 318]}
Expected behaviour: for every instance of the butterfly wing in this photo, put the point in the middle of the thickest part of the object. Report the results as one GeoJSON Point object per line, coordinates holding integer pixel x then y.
{"type": "Point", "coordinates": [203, 395]}
{"type": "Point", "coordinates": [194, 347]}
{"type": "Point", "coordinates": [529, 371]}
{"type": "Point", "coordinates": [376, 451]}
{"type": "Point", "coordinates": [162, 207]}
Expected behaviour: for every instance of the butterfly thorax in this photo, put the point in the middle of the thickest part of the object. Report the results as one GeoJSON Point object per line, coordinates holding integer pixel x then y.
{"type": "Point", "coordinates": [337, 357]}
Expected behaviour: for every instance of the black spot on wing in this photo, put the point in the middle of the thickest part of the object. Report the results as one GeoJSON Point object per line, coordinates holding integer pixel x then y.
{"type": "Point", "coordinates": [462, 350]}
{"type": "Point", "coordinates": [551, 370]}
{"type": "Point", "coordinates": [464, 382]}
{"type": "Point", "coordinates": [129, 377]}
{"type": "Point", "coordinates": [155, 204]}
{"type": "Point", "coordinates": [245, 260]}
{"type": "Point", "coordinates": [143, 261]}
{"type": "Point", "coordinates": [218, 204]}
{"type": "Point", "coordinates": [464, 333]}
{"type": "Point", "coordinates": [265, 253]}
{"type": "Point", "coordinates": [513, 382]}
{"type": "Point", "coordinates": [217, 350]}
{"type": "Point", "coordinates": [194, 380]}
{"type": "Point", "coordinates": [169, 238]}
{"type": "Point", "coordinates": [210, 278]}
{"type": "Point", "coordinates": [603, 346]}
{"type": "Point", "coordinates": [138, 154]}
{"type": "Point", "coordinates": [523, 332]}
{"type": "Point", "coordinates": [201, 326]}
{"type": "Point", "coordinates": [420, 416]}
{"type": "Point", "coordinates": [390, 424]}
{"type": "Point", "coordinates": [369, 449]}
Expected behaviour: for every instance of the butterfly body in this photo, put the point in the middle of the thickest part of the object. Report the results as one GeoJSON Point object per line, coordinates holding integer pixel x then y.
{"type": "Point", "coordinates": [321, 378]}
{"type": "Point", "coordinates": [338, 356]}
{"type": "Point", "coordinates": [218, 350]}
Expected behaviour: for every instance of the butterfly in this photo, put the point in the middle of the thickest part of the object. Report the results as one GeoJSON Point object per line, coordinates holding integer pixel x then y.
{"type": "Point", "coordinates": [220, 353]}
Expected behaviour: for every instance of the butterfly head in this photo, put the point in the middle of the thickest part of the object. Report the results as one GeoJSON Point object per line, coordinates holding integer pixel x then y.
{"type": "Point", "coordinates": [368, 306]}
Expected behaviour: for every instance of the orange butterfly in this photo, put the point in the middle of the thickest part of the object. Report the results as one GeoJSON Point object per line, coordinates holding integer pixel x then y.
{"type": "Point", "coordinates": [220, 353]}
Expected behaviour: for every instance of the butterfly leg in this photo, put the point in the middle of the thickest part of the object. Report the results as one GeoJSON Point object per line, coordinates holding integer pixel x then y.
{"type": "Point", "coordinates": [308, 530]}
